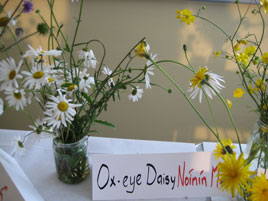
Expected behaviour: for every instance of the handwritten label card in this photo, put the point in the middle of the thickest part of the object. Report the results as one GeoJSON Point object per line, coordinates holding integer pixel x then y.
{"type": "Point", "coordinates": [150, 176]}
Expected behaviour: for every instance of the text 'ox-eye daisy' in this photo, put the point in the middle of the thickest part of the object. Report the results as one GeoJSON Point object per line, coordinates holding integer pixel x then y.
{"type": "Point", "coordinates": [207, 81]}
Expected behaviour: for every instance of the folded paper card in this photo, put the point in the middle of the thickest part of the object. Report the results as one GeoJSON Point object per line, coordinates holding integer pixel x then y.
{"type": "Point", "coordinates": [14, 184]}
{"type": "Point", "coordinates": [150, 176]}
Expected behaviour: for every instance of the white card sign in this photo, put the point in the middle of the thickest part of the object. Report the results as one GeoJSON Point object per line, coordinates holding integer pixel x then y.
{"type": "Point", "coordinates": [152, 176]}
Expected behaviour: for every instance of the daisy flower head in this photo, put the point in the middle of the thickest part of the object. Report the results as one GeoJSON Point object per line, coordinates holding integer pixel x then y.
{"type": "Point", "coordinates": [36, 78]}
{"type": "Point", "coordinates": [149, 70]}
{"type": "Point", "coordinates": [219, 152]}
{"type": "Point", "coordinates": [59, 110]}
{"type": "Point", "coordinates": [89, 58]}
{"type": "Point", "coordinates": [38, 126]}
{"type": "Point", "coordinates": [108, 72]}
{"type": "Point", "coordinates": [1, 106]}
{"type": "Point", "coordinates": [204, 80]}
{"type": "Point", "coordinates": [259, 188]}
{"type": "Point", "coordinates": [185, 16]}
{"type": "Point", "coordinates": [142, 49]}
{"type": "Point", "coordinates": [233, 173]}
{"type": "Point", "coordinates": [9, 73]}
{"type": "Point", "coordinates": [16, 98]}
{"type": "Point", "coordinates": [136, 94]}
{"type": "Point", "coordinates": [39, 54]}
{"type": "Point", "coordinates": [85, 84]}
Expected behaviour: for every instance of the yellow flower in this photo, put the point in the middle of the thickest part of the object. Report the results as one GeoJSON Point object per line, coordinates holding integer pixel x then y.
{"type": "Point", "coordinates": [185, 16]}
{"type": "Point", "coordinates": [142, 49]}
{"type": "Point", "coordinates": [198, 77]}
{"type": "Point", "coordinates": [243, 58]}
{"type": "Point", "coordinates": [233, 173]}
{"type": "Point", "coordinates": [264, 4]}
{"type": "Point", "coordinates": [259, 189]}
{"type": "Point", "coordinates": [229, 103]}
{"type": "Point", "coordinates": [264, 57]}
{"type": "Point", "coordinates": [216, 53]}
{"type": "Point", "coordinates": [264, 107]}
{"type": "Point", "coordinates": [244, 42]}
{"type": "Point", "coordinates": [250, 50]}
{"type": "Point", "coordinates": [219, 152]}
{"type": "Point", "coordinates": [251, 90]}
{"type": "Point", "coordinates": [237, 47]}
{"type": "Point", "coordinates": [260, 84]}
{"type": "Point", "coordinates": [238, 93]}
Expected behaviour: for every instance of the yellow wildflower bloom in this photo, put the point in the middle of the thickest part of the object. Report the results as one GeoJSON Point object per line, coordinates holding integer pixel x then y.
{"type": "Point", "coordinates": [229, 103]}
{"type": "Point", "coordinates": [142, 49]}
{"type": "Point", "coordinates": [244, 42]}
{"type": "Point", "coordinates": [216, 54]}
{"type": "Point", "coordinates": [250, 50]}
{"type": "Point", "coordinates": [185, 16]}
{"type": "Point", "coordinates": [264, 4]}
{"type": "Point", "coordinates": [260, 84]}
{"type": "Point", "coordinates": [250, 88]}
{"type": "Point", "coordinates": [243, 58]}
{"type": "Point", "coordinates": [238, 93]}
{"type": "Point", "coordinates": [219, 152]}
{"type": "Point", "coordinates": [259, 189]}
{"type": "Point", "coordinates": [264, 107]}
{"type": "Point", "coordinates": [233, 173]}
{"type": "Point", "coordinates": [264, 57]}
{"type": "Point", "coordinates": [237, 47]}
{"type": "Point", "coordinates": [198, 77]}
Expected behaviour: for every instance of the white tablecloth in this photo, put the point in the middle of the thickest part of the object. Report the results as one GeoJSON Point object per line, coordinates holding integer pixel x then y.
{"type": "Point", "coordinates": [37, 161]}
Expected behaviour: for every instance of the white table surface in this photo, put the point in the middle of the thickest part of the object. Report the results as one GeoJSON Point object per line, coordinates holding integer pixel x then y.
{"type": "Point", "coordinates": [37, 161]}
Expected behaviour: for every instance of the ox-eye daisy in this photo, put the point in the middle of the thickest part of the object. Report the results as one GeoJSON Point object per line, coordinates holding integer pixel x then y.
{"type": "Point", "coordinates": [9, 73]}
{"type": "Point", "coordinates": [85, 83]}
{"type": "Point", "coordinates": [136, 94]}
{"type": "Point", "coordinates": [89, 58]}
{"type": "Point", "coordinates": [108, 72]}
{"type": "Point", "coordinates": [149, 71]}
{"type": "Point", "coordinates": [41, 53]}
{"type": "Point", "coordinates": [36, 78]}
{"type": "Point", "coordinates": [59, 110]}
{"type": "Point", "coordinates": [204, 80]}
{"type": "Point", "coordinates": [16, 98]}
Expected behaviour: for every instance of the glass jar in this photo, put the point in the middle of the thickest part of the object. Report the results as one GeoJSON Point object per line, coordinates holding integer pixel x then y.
{"type": "Point", "coordinates": [257, 146]}
{"type": "Point", "coordinates": [71, 160]}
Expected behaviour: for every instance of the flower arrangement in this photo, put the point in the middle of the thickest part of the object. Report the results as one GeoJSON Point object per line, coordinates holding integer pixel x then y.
{"type": "Point", "coordinates": [235, 169]}
{"type": "Point", "coordinates": [71, 85]}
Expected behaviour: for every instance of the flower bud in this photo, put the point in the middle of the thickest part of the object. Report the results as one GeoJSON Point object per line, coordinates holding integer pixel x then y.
{"type": "Point", "coordinates": [169, 91]}
{"type": "Point", "coordinates": [19, 32]}
{"type": "Point", "coordinates": [184, 47]}
{"type": "Point", "coordinates": [42, 28]}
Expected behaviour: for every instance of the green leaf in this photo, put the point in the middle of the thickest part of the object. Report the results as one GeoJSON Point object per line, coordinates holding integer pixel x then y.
{"type": "Point", "coordinates": [67, 48]}
{"type": "Point", "coordinates": [87, 98]}
{"type": "Point", "coordinates": [105, 123]}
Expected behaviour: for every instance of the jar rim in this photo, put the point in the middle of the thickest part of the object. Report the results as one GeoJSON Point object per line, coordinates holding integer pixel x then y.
{"type": "Point", "coordinates": [57, 142]}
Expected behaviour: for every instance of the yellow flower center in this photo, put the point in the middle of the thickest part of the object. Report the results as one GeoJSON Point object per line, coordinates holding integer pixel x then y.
{"type": "Point", "coordinates": [17, 95]}
{"type": "Point", "coordinates": [63, 106]}
{"type": "Point", "coordinates": [38, 74]}
{"type": "Point", "coordinates": [12, 75]}
{"type": "Point", "coordinates": [72, 87]}
{"type": "Point", "coordinates": [199, 77]}
{"type": "Point", "coordinates": [50, 79]}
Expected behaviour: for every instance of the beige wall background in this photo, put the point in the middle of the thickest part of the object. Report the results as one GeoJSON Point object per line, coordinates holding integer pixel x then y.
{"type": "Point", "coordinates": [120, 24]}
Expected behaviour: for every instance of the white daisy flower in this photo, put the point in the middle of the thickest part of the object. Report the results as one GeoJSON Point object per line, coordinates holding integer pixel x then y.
{"type": "Point", "coordinates": [36, 78]}
{"type": "Point", "coordinates": [1, 106]}
{"type": "Point", "coordinates": [200, 79]}
{"type": "Point", "coordinates": [136, 94]}
{"type": "Point", "coordinates": [16, 98]}
{"type": "Point", "coordinates": [85, 83]}
{"type": "Point", "coordinates": [12, 22]}
{"type": "Point", "coordinates": [89, 58]}
{"type": "Point", "coordinates": [149, 71]}
{"type": "Point", "coordinates": [39, 52]}
{"type": "Point", "coordinates": [59, 111]}
{"type": "Point", "coordinates": [9, 73]}
{"type": "Point", "coordinates": [38, 126]}
{"type": "Point", "coordinates": [108, 72]}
